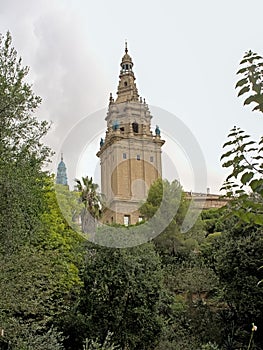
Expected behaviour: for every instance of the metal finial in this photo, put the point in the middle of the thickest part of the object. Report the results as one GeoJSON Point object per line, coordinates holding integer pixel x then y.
{"type": "Point", "coordinates": [61, 157]}
{"type": "Point", "coordinates": [126, 47]}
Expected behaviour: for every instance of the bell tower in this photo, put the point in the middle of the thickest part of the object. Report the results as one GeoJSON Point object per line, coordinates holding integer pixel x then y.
{"type": "Point", "coordinates": [61, 178]}
{"type": "Point", "coordinates": [130, 154]}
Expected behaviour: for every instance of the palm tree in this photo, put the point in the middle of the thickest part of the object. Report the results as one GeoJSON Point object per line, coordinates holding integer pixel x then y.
{"type": "Point", "coordinates": [92, 201]}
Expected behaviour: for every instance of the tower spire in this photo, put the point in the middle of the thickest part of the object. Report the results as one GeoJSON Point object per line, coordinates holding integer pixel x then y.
{"type": "Point", "coordinates": [127, 90]}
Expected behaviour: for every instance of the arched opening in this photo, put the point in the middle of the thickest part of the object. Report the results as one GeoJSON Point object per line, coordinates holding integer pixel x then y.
{"type": "Point", "coordinates": [135, 127]}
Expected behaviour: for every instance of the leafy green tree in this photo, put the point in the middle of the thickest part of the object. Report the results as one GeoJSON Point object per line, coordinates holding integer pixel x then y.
{"type": "Point", "coordinates": [121, 295]}
{"type": "Point", "coordinates": [236, 255]}
{"type": "Point", "coordinates": [252, 78]}
{"type": "Point", "coordinates": [22, 152]}
{"type": "Point", "coordinates": [213, 220]}
{"type": "Point", "coordinates": [20, 131]}
{"type": "Point", "coordinates": [188, 282]}
{"type": "Point", "coordinates": [244, 185]}
{"type": "Point", "coordinates": [38, 251]}
{"type": "Point", "coordinates": [168, 203]}
{"type": "Point", "coordinates": [70, 205]}
{"type": "Point", "coordinates": [40, 278]}
{"type": "Point", "coordinates": [244, 156]}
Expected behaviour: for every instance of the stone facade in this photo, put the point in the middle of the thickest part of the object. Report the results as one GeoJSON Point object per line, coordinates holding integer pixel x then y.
{"type": "Point", "coordinates": [130, 154]}
{"type": "Point", "coordinates": [207, 201]}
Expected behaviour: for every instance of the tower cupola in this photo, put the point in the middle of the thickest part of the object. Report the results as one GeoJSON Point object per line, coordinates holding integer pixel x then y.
{"type": "Point", "coordinates": [126, 63]}
{"type": "Point", "coordinates": [127, 90]}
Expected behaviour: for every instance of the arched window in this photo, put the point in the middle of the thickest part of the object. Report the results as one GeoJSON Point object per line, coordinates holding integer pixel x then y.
{"type": "Point", "coordinates": [135, 127]}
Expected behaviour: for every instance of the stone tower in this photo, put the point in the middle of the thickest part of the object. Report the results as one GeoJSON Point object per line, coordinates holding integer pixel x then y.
{"type": "Point", "coordinates": [130, 154]}
{"type": "Point", "coordinates": [61, 178]}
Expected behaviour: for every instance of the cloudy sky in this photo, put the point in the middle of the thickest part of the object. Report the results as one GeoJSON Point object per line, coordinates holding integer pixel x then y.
{"type": "Point", "coordinates": [185, 57]}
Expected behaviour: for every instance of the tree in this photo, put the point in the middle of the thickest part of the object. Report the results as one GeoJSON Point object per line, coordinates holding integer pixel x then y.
{"type": "Point", "coordinates": [22, 152]}
{"type": "Point", "coordinates": [70, 205]}
{"type": "Point", "coordinates": [252, 79]}
{"type": "Point", "coordinates": [92, 201]}
{"type": "Point", "coordinates": [40, 278]}
{"type": "Point", "coordinates": [236, 255]}
{"type": "Point", "coordinates": [121, 294]}
{"type": "Point", "coordinates": [20, 131]}
{"type": "Point", "coordinates": [245, 157]}
{"type": "Point", "coordinates": [38, 250]}
{"type": "Point", "coordinates": [244, 185]}
{"type": "Point", "coordinates": [168, 203]}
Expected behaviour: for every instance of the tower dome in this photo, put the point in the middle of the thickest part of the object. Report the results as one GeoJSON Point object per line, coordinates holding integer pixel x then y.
{"type": "Point", "coordinates": [126, 62]}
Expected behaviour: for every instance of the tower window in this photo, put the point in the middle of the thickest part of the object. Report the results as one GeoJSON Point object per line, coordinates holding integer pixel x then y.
{"type": "Point", "coordinates": [125, 83]}
{"type": "Point", "coordinates": [135, 127]}
{"type": "Point", "coordinates": [151, 159]}
{"type": "Point", "coordinates": [138, 157]}
{"type": "Point", "coordinates": [122, 129]}
{"type": "Point", "coordinates": [124, 155]}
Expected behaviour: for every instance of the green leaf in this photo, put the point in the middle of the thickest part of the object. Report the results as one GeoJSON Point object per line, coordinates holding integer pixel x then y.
{"type": "Point", "coordinates": [243, 90]}
{"type": "Point", "coordinates": [243, 61]}
{"type": "Point", "coordinates": [227, 164]}
{"type": "Point", "coordinates": [228, 143]}
{"type": "Point", "coordinates": [227, 154]}
{"type": "Point", "coordinates": [241, 82]}
{"type": "Point", "coordinates": [242, 70]}
{"type": "Point", "coordinates": [258, 108]}
{"type": "Point", "coordinates": [249, 100]}
{"type": "Point", "coordinates": [256, 185]}
{"type": "Point", "coordinates": [246, 177]}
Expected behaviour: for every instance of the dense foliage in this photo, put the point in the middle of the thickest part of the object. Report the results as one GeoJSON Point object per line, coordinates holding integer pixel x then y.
{"type": "Point", "coordinates": [38, 264]}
